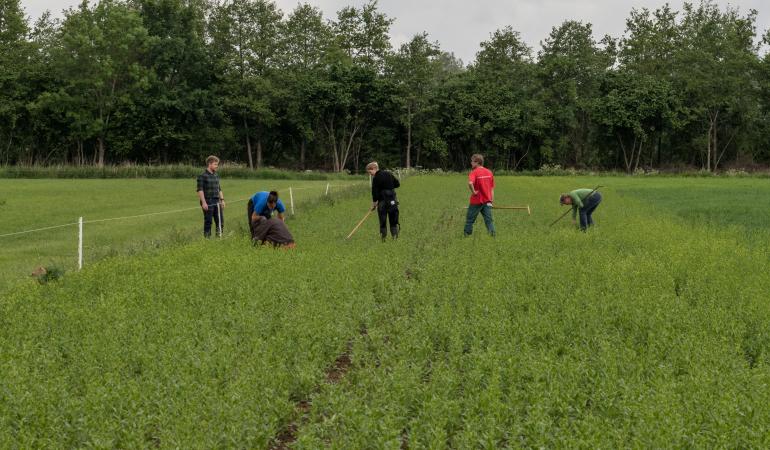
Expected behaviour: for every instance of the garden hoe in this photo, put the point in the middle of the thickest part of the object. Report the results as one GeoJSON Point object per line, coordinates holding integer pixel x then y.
{"type": "Point", "coordinates": [529, 211]}
{"type": "Point", "coordinates": [360, 223]}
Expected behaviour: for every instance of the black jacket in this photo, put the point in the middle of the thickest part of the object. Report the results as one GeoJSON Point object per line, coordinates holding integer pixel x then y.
{"type": "Point", "coordinates": [383, 181]}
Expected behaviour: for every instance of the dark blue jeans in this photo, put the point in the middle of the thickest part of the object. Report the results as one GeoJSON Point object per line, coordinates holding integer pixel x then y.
{"type": "Point", "coordinates": [473, 213]}
{"type": "Point", "coordinates": [214, 214]}
{"type": "Point", "coordinates": [589, 206]}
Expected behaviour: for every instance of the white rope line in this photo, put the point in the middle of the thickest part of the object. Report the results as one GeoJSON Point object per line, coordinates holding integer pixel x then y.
{"type": "Point", "coordinates": [39, 229]}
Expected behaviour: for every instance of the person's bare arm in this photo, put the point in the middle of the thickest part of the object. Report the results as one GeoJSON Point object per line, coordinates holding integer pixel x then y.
{"type": "Point", "coordinates": [281, 216]}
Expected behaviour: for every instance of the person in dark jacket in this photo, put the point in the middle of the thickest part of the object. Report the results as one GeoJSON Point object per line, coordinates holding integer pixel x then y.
{"type": "Point", "coordinates": [272, 231]}
{"type": "Point", "coordinates": [384, 199]}
{"type": "Point", "coordinates": [211, 198]}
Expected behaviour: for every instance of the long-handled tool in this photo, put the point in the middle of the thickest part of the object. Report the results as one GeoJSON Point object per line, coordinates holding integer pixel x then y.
{"type": "Point", "coordinates": [529, 211]}
{"type": "Point", "coordinates": [360, 223]}
{"type": "Point", "coordinates": [567, 211]}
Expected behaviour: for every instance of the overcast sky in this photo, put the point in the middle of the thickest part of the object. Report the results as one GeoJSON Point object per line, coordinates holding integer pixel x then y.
{"type": "Point", "coordinates": [460, 25]}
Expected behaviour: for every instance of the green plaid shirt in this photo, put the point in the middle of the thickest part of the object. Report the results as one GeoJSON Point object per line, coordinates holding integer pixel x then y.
{"type": "Point", "coordinates": [209, 183]}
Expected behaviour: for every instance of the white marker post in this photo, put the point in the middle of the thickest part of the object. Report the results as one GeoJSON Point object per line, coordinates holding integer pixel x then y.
{"type": "Point", "coordinates": [219, 223]}
{"type": "Point", "coordinates": [291, 198]}
{"type": "Point", "coordinates": [80, 243]}
{"type": "Point", "coordinates": [327, 189]}
{"type": "Point", "coordinates": [398, 171]}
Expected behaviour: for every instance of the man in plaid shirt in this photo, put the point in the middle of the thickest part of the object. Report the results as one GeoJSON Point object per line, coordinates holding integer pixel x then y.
{"type": "Point", "coordinates": [210, 196]}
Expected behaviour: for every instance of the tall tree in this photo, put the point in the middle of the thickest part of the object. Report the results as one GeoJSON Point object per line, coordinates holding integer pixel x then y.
{"type": "Point", "coordinates": [571, 66]}
{"type": "Point", "coordinates": [14, 54]}
{"type": "Point", "coordinates": [178, 116]}
{"type": "Point", "coordinates": [414, 70]}
{"type": "Point", "coordinates": [98, 62]}
{"type": "Point", "coordinates": [245, 38]}
{"type": "Point", "coordinates": [353, 88]}
{"type": "Point", "coordinates": [717, 63]}
{"type": "Point", "coordinates": [305, 40]}
{"type": "Point", "coordinates": [505, 87]}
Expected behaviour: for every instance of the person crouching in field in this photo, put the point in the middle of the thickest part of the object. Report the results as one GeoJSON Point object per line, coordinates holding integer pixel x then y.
{"type": "Point", "coordinates": [262, 225]}
{"type": "Point", "coordinates": [584, 202]}
{"type": "Point", "coordinates": [481, 182]}
{"type": "Point", "coordinates": [272, 231]}
{"type": "Point", "coordinates": [384, 199]}
{"type": "Point", "coordinates": [211, 198]}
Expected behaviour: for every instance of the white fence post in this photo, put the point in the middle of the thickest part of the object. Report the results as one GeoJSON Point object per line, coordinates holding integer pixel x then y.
{"type": "Point", "coordinates": [80, 243]}
{"type": "Point", "coordinates": [291, 198]}
{"type": "Point", "coordinates": [219, 223]}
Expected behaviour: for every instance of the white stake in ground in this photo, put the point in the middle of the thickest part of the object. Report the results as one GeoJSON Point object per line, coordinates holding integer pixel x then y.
{"type": "Point", "coordinates": [291, 198]}
{"type": "Point", "coordinates": [80, 243]}
{"type": "Point", "coordinates": [327, 189]}
{"type": "Point", "coordinates": [219, 223]}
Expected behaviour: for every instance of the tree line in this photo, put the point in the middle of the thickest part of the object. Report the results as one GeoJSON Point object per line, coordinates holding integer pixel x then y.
{"type": "Point", "coordinates": [163, 81]}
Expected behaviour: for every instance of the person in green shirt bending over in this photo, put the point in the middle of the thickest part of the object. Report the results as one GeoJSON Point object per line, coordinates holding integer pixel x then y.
{"type": "Point", "coordinates": [583, 201]}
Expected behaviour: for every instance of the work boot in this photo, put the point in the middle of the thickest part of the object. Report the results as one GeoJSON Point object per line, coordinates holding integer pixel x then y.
{"type": "Point", "coordinates": [394, 232]}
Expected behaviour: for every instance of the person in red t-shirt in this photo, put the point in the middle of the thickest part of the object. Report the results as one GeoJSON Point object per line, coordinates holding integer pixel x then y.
{"type": "Point", "coordinates": [481, 182]}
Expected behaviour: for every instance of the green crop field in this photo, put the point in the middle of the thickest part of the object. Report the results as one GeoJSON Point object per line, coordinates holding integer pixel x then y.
{"type": "Point", "coordinates": [34, 204]}
{"type": "Point", "coordinates": [651, 330]}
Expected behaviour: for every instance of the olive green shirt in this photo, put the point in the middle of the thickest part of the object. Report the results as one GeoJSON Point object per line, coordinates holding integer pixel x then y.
{"type": "Point", "coordinates": [578, 195]}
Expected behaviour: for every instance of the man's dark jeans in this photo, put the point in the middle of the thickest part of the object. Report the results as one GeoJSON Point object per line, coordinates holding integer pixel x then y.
{"type": "Point", "coordinates": [386, 211]}
{"type": "Point", "coordinates": [473, 212]}
{"type": "Point", "coordinates": [214, 213]}
{"type": "Point", "coordinates": [589, 206]}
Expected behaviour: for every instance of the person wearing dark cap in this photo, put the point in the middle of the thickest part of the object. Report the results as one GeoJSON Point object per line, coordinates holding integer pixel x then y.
{"type": "Point", "coordinates": [384, 199]}
{"type": "Point", "coordinates": [584, 202]}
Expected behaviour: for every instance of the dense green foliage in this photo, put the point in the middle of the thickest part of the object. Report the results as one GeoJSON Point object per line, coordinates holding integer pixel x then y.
{"type": "Point", "coordinates": [169, 81]}
{"type": "Point", "coordinates": [162, 171]}
{"type": "Point", "coordinates": [651, 330]}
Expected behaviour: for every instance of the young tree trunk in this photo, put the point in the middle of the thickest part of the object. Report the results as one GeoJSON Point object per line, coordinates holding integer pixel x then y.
{"type": "Point", "coordinates": [259, 154]}
{"type": "Point", "coordinates": [8, 147]}
{"type": "Point", "coordinates": [710, 141]}
{"type": "Point", "coordinates": [100, 142]}
{"type": "Point", "coordinates": [626, 159]}
{"type": "Point", "coordinates": [248, 143]}
{"type": "Point", "coordinates": [408, 136]}
{"type": "Point", "coordinates": [638, 153]}
{"type": "Point", "coordinates": [302, 154]}
{"type": "Point", "coordinates": [81, 160]}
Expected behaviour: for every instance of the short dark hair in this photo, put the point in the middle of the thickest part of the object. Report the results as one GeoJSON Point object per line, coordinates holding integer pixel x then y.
{"type": "Point", "coordinates": [272, 197]}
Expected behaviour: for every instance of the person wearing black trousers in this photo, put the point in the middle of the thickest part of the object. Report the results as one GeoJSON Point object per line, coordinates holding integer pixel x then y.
{"type": "Point", "coordinates": [210, 196]}
{"type": "Point", "coordinates": [384, 199]}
